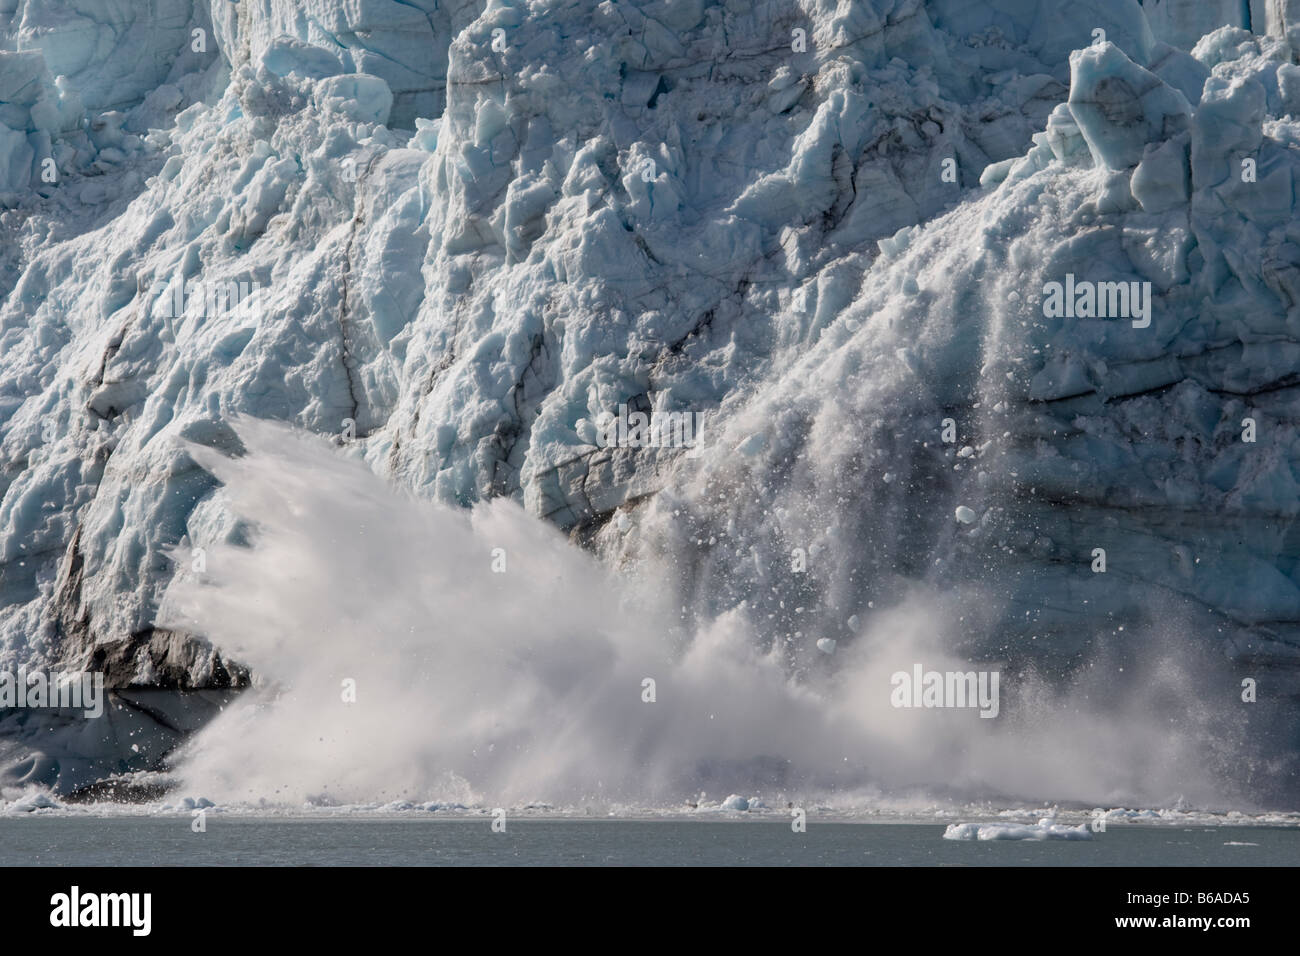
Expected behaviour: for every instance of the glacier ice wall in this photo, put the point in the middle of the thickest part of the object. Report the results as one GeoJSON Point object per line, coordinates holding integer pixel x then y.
{"type": "Point", "coordinates": [359, 258]}
{"type": "Point", "coordinates": [403, 42]}
{"type": "Point", "coordinates": [1071, 433]}
{"type": "Point", "coordinates": [81, 81]}
{"type": "Point", "coordinates": [454, 236]}
{"type": "Point", "coordinates": [1183, 22]}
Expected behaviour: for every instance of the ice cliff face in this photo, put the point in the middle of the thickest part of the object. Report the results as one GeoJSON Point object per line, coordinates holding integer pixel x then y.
{"type": "Point", "coordinates": [453, 236]}
{"type": "Point", "coordinates": [1163, 440]}
{"type": "Point", "coordinates": [70, 71]}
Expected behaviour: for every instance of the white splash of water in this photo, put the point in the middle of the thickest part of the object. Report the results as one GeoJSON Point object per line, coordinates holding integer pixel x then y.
{"type": "Point", "coordinates": [485, 687]}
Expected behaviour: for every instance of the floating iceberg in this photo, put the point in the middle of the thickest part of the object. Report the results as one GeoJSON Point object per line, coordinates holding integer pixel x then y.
{"type": "Point", "coordinates": [1045, 829]}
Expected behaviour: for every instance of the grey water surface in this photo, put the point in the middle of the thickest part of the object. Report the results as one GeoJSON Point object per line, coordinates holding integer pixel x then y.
{"type": "Point", "coordinates": [68, 840]}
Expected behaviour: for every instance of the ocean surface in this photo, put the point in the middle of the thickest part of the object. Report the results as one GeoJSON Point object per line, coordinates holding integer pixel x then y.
{"type": "Point", "coordinates": [62, 839]}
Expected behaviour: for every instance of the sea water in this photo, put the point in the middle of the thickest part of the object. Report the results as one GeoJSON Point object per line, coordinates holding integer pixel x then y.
{"type": "Point", "coordinates": [66, 839]}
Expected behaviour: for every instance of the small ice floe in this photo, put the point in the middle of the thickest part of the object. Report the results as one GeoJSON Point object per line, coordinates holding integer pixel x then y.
{"type": "Point", "coordinates": [964, 515]}
{"type": "Point", "coordinates": [1238, 843]}
{"type": "Point", "coordinates": [826, 645]}
{"type": "Point", "coordinates": [1044, 829]}
{"type": "Point", "coordinates": [32, 800]}
{"type": "Point", "coordinates": [190, 803]}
